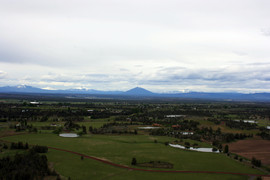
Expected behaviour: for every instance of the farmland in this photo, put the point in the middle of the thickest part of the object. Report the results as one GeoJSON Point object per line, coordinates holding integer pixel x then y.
{"type": "Point", "coordinates": [110, 131]}
{"type": "Point", "coordinates": [253, 148]}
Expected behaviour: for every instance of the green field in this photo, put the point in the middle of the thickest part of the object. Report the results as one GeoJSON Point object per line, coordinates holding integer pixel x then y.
{"type": "Point", "coordinates": [72, 166]}
{"type": "Point", "coordinates": [116, 138]}
{"type": "Point", "coordinates": [121, 149]}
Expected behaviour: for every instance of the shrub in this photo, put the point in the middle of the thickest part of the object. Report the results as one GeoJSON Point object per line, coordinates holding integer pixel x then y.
{"type": "Point", "coordinates": [80, 133]}
{"type": "Point", "coordinates": [39, 149]}
{"type": "Point", "coordinates": [24, 166]}
{"type": "Point", "coordinates": [134, 161]}
{"type": "Point", "coordinates": [256, 162]}
{"type": "Point", "coordinates": [58, 130]}
{"type": "Point", "coordinates": [187, 145]}
{"type": "Point", "coordinates": [195, 145]}
{"type": "Point", "coordinates": [19, 145]}
{"type": "Point", "coordinates": [226, 149]}
{"type": "Point", "coordinates": [5, 146]}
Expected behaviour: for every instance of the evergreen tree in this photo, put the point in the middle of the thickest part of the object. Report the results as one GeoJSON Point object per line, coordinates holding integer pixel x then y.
{"type": "Point", "coordinates": [134, 161]}
{"type": "Point", "coordinates": [226, 149]}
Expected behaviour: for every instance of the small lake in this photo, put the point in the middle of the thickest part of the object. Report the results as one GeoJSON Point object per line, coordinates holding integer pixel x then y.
{"type": "Point", "coordinates": [148, 127]}
{"type": "Point", "coordinates": [193, 149]}
{"type": "Point", "coordinates": [174, 116]}
{"type": "Point", "coordinates": [187, 133]}
{"type": "Point", "coordinates": [69, 135]}
{"type": "Point", "coordinates": [247, 121]}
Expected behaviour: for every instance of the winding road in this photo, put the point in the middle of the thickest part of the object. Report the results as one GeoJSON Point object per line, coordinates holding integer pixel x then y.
{"type": "Point", "coordinates": [147, 170]}
{"type": "Point", "coordinates": [151, 170]}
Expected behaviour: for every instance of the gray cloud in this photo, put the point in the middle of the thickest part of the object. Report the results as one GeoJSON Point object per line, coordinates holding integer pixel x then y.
{"type": "Point", "coordinates": [3, 74]}
{"type": "Point", "coordinates": [265, 31]}
{"type": "Point", "coordinates": [240, 53]}
{"type": "Point", "coordinates": [244, 78]}
{"type": "Point", "coordinates": [118, 44]}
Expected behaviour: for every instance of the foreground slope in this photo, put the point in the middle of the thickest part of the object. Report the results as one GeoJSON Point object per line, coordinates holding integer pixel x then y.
{"type": "Point", "coordinates": [121, 149]}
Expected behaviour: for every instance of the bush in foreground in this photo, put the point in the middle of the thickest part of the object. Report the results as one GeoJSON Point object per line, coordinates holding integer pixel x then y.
{"type": "Point", "coordinates": [39, 149]}
{"type": "Point", "coordinates": [134, 161]}
{"type": "Point", "coordinates": [28, 166]}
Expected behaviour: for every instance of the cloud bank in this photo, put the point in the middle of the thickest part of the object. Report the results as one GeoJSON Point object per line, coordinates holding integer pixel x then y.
{"type": "Point", "coordinates": [116, 45]}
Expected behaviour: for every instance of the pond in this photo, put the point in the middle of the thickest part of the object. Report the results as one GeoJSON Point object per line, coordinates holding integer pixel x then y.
{"type": "Point", "coordinates": [148, 127]}
{"type": "Point", "coordinates": [247, 121]}
{"type": "Point", "coordinates": [174, 116]}
{"type": "Point", "coordinates": [69, 135]}
{"type": "Point", "coordinates": [187, 133]}
{"type": "Point", "coordinates": [193, 149]}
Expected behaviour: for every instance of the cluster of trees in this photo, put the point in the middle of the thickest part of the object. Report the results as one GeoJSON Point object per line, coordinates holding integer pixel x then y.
{"type": "Point", "coordinates": [19, 145]}
{"type": "Point", "coordinates": [16, 112]}
{"type": "Point", "coordinates": [158, 132]}
{"type": "Point", "coordinates": [204, 133]}
{"type": "Point", "coordinates": [186, 125]}
{"type": "Point", "coordinates": [229, 137]}
{"type": "Point", "coordinates": [113, 128]}
{"type": "Point", "coordinates": [35, 149]}
{"type": "Point", "coordinates": [58, 130]}
{"type": "Point", "coordinates": [69, 125]}
{"type": "Point", "coordinates": [31, 128]}
{"type": "Point", "coordinates": [214, 120]}
{"type": "Point", "coordinates": [241, 125]}
{"type": "Point", "coordinates": [39, 149]}
{"type": "Point", "coordinates": [28, 166]}
{"type": "Point", "coordinates": [211, 135]}
{"type": "Point", "coordinates": [217, 144]}
{"type": "Point", "coordinates": [160, 112]}
{"type": "Point", "coordinates": [3, 146]}
{"type": "Point", "coordinates": [22, 126]}
{"type": "Point", "coordinates": [265, 134]}
{"type": "Point", "coordinates": [256, 162]}
{"type": "Point", "coordinates": [63, 111]}
{"type": "Point", "coordinates": [48, 127]}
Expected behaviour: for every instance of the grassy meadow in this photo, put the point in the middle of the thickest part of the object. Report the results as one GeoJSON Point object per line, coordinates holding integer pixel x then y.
{"type": "Point", "coordinates": [121, 149]}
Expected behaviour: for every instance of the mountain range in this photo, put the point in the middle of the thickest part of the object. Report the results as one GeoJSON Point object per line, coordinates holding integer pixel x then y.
{"type": "Point", "coordinates": [139, 92]}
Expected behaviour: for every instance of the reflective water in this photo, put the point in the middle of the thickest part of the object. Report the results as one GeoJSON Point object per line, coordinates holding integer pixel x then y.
{"type": "Point", "coordinates": [193, 149]}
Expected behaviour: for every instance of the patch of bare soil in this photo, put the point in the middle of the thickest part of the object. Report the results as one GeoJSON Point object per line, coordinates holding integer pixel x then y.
{"type": "Point", "coordinates": [102, 158]}
{"type": "Point", "coordinates": [10, 133]}
{"type": "Point", "coordinates": [258, 148]}
{"type": "Point", "coordinates": [156, 164]}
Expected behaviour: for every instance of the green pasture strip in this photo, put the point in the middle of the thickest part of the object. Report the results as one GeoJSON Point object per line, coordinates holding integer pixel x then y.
{"type": "Point", "coordinates": [70, 165]}
{"type": "Point", "coordinates": [121, 149]}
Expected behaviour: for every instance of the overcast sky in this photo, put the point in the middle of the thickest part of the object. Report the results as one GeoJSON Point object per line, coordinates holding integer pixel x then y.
{"type": "Point", "coordinates": [161, 45]}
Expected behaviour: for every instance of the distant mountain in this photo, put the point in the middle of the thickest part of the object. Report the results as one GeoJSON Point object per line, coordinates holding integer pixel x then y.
{"type": "Point", "coordinates": [22, 89]}
{"type": "Point", "coordinates": [30, 89]}
{"type": "Point", "coordinates": [86, 91]}
{"type": "Point", "coordinates": [139, 92]}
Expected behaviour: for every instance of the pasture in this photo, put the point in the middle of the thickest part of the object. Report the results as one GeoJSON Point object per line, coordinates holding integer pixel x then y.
{"type": "Point", "coordinates": [121, 149]}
